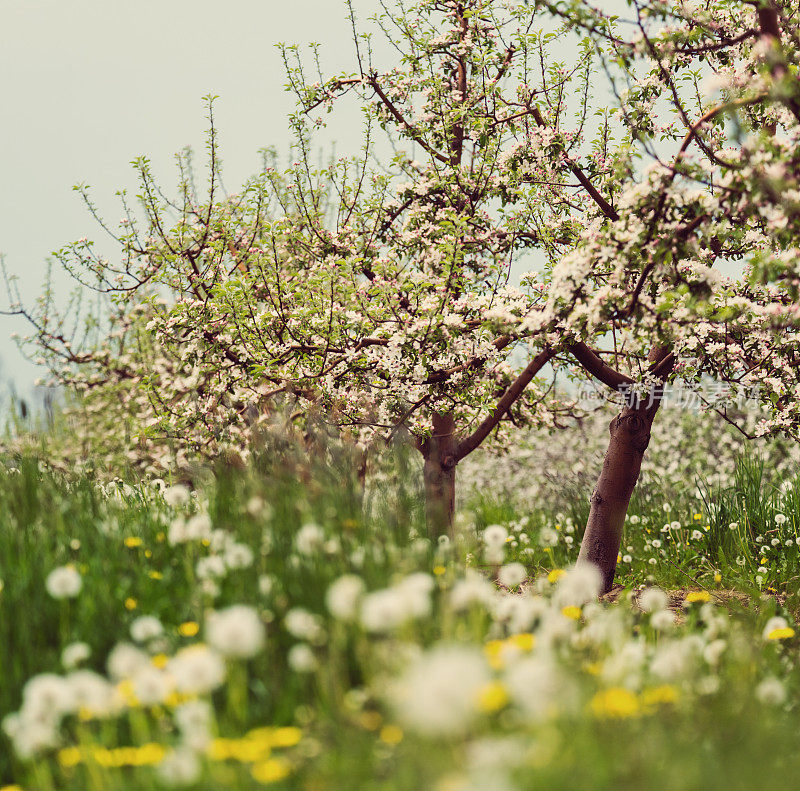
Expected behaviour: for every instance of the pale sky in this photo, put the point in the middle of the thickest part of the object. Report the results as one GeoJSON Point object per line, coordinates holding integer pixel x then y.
{"type": "Point", "coordinates": [87, 85]}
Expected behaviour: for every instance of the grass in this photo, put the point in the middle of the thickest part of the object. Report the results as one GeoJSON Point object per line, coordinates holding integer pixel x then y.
{"type": "Point", "coordinates": [426, 675]}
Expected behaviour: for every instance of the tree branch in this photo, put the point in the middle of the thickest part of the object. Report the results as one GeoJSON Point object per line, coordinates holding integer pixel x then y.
{"type": "Point", "coordinates": [598, 369]}
{"type": "Point", "coordinates": [514, 391]}
{"type": "Point", "coordinates": [412, 131]}
{"type": "Point", "coordinates": [608, 210]}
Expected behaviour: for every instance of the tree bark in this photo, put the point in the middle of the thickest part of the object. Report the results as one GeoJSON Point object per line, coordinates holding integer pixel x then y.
{"type": "Point", "coordinates": [439, 453]}
{"type": "Point", "coordinates": [629, 438]}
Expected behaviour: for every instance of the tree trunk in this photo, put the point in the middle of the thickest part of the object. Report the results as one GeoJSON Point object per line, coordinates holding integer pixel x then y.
{"type": "Point", "coordinates": [630, 435]}
{"type": "Point", "coordinates": [439, 453]}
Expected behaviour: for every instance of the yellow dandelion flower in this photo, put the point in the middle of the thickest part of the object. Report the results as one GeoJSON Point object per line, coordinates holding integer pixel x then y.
{"type": "Point", "coordinates": [555, 575]}
{"type": "Point", "coordinates": [288, 736]}
{"type": "Point", "coordinates": [125, 689]}
{"type": "Point", "coordinates": [781, 634]}
{"type": "Point", "coordinates": [160, 660]}
{"type": "Point", "coordinates": [103, 757]}
{"type": "Point", "coordinates": [494, 654]}
{"type": "Point", "coordinates": [698, 517]}
{"type": "Point", "coordinates": [188, 628]}
{"type": "Point", "coordinates": [150, 754]}
{"type": "Point", "coordinates": [248, 752]}
{"type": "Point", "coordinates": [697, 596]}
{"type": "Point", "coordinates": [524, 641]}
{"type": "Point", "coordinates": [69, 757]}
{"type": "Point", "coordinates": [261, 735]}
{"type": "Point", "coordinates": [659, 695]}
{"type": "Point", "coordinates": [271, 771]}
{"type": "Point", "coordinates": [148, 553]}
{"type": "Point", "coordinates": [126, 756]}
{"type": "Point", "coordinates": [717, 577]}
{"type": "Point", "coordinates": [132, 542]}
{"type": "Point", "coordinates": [176, 698]}
{"type": "Point", "coordinates": [593, 668]}
{"type": "Point", "coordinates": [572, 612]}
{"type": "Point", "coordinates": [131, 603]}
{"type": "Point", "coordinates": [155, 575]}
{"type": "Point", "coordinates": [219, 750]}
{"type": "Point", "coordinates": [615, 702]}
{"type": "Point", "coordinates": [161, 537]}
{"type": "Point", "coordinates": [439, 570]}
{"type": "Point", "coordinates": [391, 734]}
{"type": "Point", "coordinates": [492, 697]}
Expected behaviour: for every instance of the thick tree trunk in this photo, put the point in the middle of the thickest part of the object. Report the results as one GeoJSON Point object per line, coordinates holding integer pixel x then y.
{"type": "Point", "coordinates": [439, 453]}
{"type": "Point", "coordinates": [630, 436]}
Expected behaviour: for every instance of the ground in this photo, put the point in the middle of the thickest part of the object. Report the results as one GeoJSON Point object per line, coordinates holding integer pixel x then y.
{"type": "Point", "coordinates": [299, 633]}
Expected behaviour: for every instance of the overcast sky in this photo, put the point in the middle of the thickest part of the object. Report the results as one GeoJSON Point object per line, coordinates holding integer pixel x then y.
{"type": "Point", "coordinates": [87, 85]}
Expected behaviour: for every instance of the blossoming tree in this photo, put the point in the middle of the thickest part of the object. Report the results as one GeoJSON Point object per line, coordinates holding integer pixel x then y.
{"type": "Point", "coordinates": [712, 103]}
{"type": "Point", "coordinates": [378, 297]}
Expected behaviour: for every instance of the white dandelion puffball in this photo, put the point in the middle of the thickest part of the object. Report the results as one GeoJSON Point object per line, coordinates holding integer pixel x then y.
{"type": "Point", "coordinates": [536, 686]}
{"type": "Point", "coordinates": [94, 693]}
{"type": "Point", "coordinates": [176, 495]}
{"type": "Point", "coordinates": [343, 597]}
{"type": "Point", "coordinates": [309, 539]}
{"type": "Point", "coordinates": [64, 582]}
{"type": "Point", "coordinates": [438, 693]}
{"type": "Point", "coordinates": [511, 575]}
{"type": "Point", "coordinates": [75, 653]}
{"type": "Point", "coordinates": [770, 690]}
{"type": "Point", "coordinates": [152, 686]}
{"type": "Point", "coordinates": [495, 536]}
{"type": "Point", "coordinates": [580, 585]}
{"type": "Point", "coordinates": [236, 631]}
{"type": "Point", "coordinates": [238, 556]}
{"type": "Point", "coordinates": [198, 527]}
{"type": "Point", "coordinates": [146, 627]}
{"type": "Point", "coordinates": [301, 658]}
{"type": "Point", "coordinates": [125, 660]}
{"type": "Point", "coordinates": [197, 670]}
{"type": "Point", "coordinates": [304, 625]}
{"type": "Point", "coordinates": [473, 589]}
{"type": "Point", "coordinates": [194, 719]}
{"type": "Point", "coordinates": [653, 600]}
{"type": "Point", "coordinates": [383, 610]}
{"type": "Point", "coordinates": [662, 620]}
